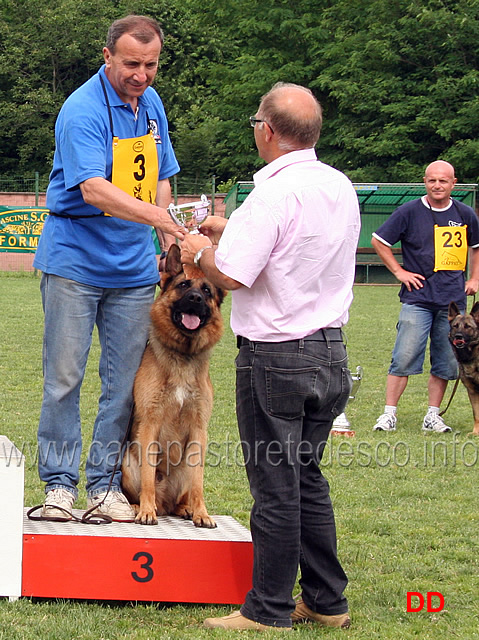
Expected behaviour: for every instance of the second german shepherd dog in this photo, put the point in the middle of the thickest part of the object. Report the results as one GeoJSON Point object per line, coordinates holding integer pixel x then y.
{"type": "Point", "coordinates": [162, 470]}
{"type": "Point", "coordinates": [464, 337]}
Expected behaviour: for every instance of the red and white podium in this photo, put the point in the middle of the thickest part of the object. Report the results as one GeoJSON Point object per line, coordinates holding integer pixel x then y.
{"type": "Point", "coordinates": [173, 561]}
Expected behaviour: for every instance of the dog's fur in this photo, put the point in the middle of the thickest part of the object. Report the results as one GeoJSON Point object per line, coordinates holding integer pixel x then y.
{"type": "Point", "coordinates": [464, 338]}
{"type": "Point", "coordinates": [162, 470]}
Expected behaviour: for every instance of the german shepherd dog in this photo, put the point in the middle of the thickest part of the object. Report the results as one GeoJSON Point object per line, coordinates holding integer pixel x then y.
{"type": "Point", "coordinates": [464, 337]}
{"type": "Point", "coordinates": [162, 470]}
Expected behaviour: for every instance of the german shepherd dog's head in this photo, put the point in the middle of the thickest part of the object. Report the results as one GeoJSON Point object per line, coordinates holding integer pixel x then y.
{"type": "Point", "coordinates": [464, 331]}
{"type": "Point", "coordinates": [186, 315]}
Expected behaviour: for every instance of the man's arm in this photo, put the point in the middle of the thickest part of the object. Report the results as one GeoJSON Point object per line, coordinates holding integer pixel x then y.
{"type": "Point", "coordinates": [190, 247]}
{"type": "Point", "coordinates": [408, 278]}
{"type": "Point", "coordinates": [472, 285]}
{"type": "Point", "coordinates": [163, 200]}
{"type": "Point", "coordinates": [107, 197]}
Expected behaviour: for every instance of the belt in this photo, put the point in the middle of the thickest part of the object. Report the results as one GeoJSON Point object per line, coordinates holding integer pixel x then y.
{"type": "Point", "coordinates": [72, 217]}
{"type": "Point", "coordinates": [329, 334]}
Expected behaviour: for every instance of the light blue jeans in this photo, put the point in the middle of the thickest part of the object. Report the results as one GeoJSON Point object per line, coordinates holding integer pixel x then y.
{"type": "Point", "coordinates": [417, 324]}
{"type": "Point", "coordinates": [71, 311]}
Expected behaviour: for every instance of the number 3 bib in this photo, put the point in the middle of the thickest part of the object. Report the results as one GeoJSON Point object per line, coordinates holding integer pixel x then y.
{"type": "Point", "coordinates": [450, 248]}
{"type": "Point", "coordinates": [135, 166]}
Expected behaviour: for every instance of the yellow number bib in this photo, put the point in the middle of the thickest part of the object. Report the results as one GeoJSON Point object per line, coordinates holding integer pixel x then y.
{"type": "Point", "coordinates": [450, 248]}
{"type": "Point", "coordinates": [135, 166]}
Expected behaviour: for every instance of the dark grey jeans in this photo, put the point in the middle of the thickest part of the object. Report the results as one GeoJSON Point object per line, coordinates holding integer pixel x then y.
{"type": "Point", "coordinates": [287, 396]}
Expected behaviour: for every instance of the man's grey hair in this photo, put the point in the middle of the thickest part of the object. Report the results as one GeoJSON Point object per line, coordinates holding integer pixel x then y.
{"type": "Point", "coordinates": [295, 129]}
{"type": "Point", "coordinates": [142, 28]}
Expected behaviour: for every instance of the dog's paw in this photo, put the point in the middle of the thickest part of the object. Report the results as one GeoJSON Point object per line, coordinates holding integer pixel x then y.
{"type": "Point", "coordinates": [183, 511]}
{"type": "Point", "coordinates": [205, 521]}
{"type": "Point", "coordinates": [146, 517]}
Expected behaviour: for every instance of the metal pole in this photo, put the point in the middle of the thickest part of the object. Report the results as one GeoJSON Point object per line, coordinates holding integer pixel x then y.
{"type": "Point", "coordinates": [36, 188]}
{"type": "Point", "coordinates": [213, 191]}
{"type": "Point", "coordinates": [175, 189]}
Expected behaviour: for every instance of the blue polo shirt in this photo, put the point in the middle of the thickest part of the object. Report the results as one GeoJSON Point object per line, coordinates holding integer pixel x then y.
{"type": "Point", "coordinates": [412, 224]}
{"type": "Point", "coordinates": [101, 251]}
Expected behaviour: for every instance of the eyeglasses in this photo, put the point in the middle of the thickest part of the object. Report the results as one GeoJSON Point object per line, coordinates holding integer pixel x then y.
{"type": "Point", "coordinates": [253, 121]}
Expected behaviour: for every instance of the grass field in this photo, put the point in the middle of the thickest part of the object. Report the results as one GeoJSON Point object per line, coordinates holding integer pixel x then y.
{"type": "Point", "coordinates": [406, 503]}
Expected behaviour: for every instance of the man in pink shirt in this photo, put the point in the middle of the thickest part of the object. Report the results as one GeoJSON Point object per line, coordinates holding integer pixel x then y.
{"type": "Point", "coordinates": [288, 255]}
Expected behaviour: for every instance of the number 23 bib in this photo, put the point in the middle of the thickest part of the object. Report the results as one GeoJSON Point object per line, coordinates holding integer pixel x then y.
{"type": "Point", "coordinates": [450, 248]}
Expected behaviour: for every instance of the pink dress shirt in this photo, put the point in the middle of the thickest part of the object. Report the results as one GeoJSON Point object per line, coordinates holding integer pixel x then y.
{"type": "Point", "coordinates": [292, 244]}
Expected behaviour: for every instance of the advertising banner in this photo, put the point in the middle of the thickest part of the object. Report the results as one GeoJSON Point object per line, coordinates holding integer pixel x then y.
{"type": "Point", "coordinates": [20, 228]}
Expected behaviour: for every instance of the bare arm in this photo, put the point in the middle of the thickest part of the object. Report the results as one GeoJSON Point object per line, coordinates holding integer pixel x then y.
{"type": "Point", "coordinates": [107, 197]}
{"type": "Point", "coordinates": [408, 278]}
{"type": "Point", "coordinates": [472, 285]}
{"type": "Point", "coordinates": [213, 228]}
{"type": "Point", "coordinates": [190, 247]}
{"type": "Point", "coordinates": [163, 199]}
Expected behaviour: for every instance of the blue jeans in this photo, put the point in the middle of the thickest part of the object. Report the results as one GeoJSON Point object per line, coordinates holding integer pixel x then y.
{"type": "Point", "coordinates": [71, 311]}
{"type": "Point", "coordinates": [417, 324]}
{"type": "Point", "coordinates": [287, 396]}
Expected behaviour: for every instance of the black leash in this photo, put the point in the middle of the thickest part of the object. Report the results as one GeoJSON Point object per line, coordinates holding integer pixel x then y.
{"type": "Point", "coordinates": [451, 397]}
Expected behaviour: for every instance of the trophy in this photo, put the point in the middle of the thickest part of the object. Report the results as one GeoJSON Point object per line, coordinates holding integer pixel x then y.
{"type": "Point", "coordinates": [190, 214]}
{"type": "Point", "coordinates": [341, 425]}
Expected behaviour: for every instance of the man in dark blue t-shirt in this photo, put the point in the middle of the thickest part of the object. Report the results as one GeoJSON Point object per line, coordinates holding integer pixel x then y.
{"type": "Point", "coordinates": [435, 233]}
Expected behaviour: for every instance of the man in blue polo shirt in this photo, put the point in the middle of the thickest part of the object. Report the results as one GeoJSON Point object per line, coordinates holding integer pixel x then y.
{"type": "Point", "coordinates": [435, 233]}
{"type": "Point", "coordinates": [109, 185]}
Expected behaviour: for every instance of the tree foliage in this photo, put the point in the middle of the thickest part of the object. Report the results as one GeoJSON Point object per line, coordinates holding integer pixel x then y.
{"type": "Point", "coordinates": [399, 81]}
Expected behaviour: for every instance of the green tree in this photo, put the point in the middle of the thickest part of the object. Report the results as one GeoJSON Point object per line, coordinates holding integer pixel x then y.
{"type": "Point", "coordinates": [46, 50]}
{"type": "Point", "coordinates": [276, 40]}
{"type": "Point", "coordinates": [402, 86]}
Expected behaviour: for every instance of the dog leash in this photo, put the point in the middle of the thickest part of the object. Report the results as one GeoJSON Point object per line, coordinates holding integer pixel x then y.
{"type": "Point", "coordinates": [451, 397]}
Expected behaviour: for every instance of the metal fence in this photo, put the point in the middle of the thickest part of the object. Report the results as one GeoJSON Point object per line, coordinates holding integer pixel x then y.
{"type": "Point", "coordinates": [23, 184]}
{"type": "Point", "coordinates": [181, 183]}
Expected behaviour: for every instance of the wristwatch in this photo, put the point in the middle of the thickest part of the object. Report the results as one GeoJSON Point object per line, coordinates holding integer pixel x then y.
{"type": "Point", "coordinates": [199, 253]}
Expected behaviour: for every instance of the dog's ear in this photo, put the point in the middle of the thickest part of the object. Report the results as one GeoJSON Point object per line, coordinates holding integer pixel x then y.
{"type": "Point", "coordinates": [475, 312]}
{"type": "Point", "coordinates": [173, 262]}
{"type": "Point", "coordinates": [171, 268]}
{"type": "Point", "coordinates": [453, 311]}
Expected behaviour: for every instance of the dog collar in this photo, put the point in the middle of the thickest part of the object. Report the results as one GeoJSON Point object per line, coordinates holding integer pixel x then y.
{"type": "Point", "coordinates": [199, 253]}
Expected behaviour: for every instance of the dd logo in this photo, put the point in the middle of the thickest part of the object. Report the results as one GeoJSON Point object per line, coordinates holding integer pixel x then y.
{"type": "Point", "coordinates": [420, 604]}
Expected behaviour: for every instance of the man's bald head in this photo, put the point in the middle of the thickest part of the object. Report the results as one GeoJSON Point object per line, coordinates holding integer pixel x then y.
{"type": "Point", "coordinates": [294, 115]}
{"type": "Point", "coordinates": [439, 180]}
{"type": "Point", "coordinates": [441, 167]}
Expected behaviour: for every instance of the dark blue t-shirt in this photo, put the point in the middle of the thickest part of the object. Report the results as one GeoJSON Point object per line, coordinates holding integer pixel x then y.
{"type": "Point", "coordinates": [412, 224]}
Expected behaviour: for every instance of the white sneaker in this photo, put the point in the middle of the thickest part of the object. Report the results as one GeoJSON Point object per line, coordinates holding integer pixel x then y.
{"type": "Point", "coordinates": [113, 504]}
{"type": "Point", "coordinates": [386, 422]}
{"type": "Point", "coordinates": [434, 422]}
{"type": "Point", "coordinates": [58, 505]}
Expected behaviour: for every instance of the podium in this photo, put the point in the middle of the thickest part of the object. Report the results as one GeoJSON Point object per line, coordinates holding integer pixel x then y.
{"type": "Point", "coordinates": [173, 561]}
{"type": "Point", "coordinates": [12, 474]}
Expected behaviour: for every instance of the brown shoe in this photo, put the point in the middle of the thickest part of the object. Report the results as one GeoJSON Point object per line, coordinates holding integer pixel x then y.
{"type": "Point", "coordinates": [237, 621]}
{"type": "Point", "coordinates": [303, 613]}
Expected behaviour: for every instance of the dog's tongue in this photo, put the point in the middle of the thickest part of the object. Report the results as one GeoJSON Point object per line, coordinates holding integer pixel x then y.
{"type": "Point", "coordinates": [190, 322]}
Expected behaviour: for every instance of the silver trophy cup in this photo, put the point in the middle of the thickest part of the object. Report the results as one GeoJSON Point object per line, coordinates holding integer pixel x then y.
{"type": "Point", "coordinates": [190, 214]}
{"type": "Point", "coordinates": [341, 423]}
